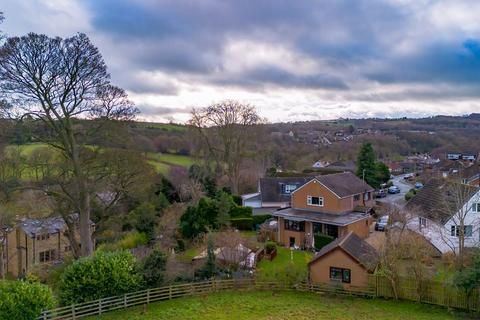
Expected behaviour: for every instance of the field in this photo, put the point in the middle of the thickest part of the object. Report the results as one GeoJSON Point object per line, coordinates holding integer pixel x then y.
{"type": "Point", "coordinates": [283, 267]}
{"type": "Point", "coordinates": [282, 305]}
{"type": "Point", "coordinates": [161, 162]}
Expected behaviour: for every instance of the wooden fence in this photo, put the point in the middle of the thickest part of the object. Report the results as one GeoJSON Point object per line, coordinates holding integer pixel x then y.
{"type": "Point", "coordinates": [429, 292]}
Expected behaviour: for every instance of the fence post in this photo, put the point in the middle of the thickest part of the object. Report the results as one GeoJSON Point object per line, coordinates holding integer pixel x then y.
{"type": "Point", "coordinates": [73, 312]}
{"type": "Point", "coordinates": [99, 306]}
{"type": "Point", "coordinates": [44, 315]}
{"type": "Point", "coordinates": [148, 296]}
{"type": "Point", "coordinates": [125, 301]}
{"type": "Point", "coordinates": [170, 292]}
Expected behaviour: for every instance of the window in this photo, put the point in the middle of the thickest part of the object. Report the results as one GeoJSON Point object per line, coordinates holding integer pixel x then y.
{"type": "Point", "coordinates": [340, 274]}
{"type": "Point", "coordinates": [476, 207]}
{"type": "Point", "coordinates": [366, 196]}
{"type": "Point", "coordinates": [455, 231]}
{"type": "Point", "coordinates": [45, 236]}
{"type": "Point", "coordinates": [356, 197]}
{"type": "Point", "coordinates": [289, 188]}
{"type": "Point", "coordinates": [294, 225]}
{"type": "Point", "coordinates": [315, 201]}
{"type": "Point", "coordinates": [422, 221]}
{"type": "Point", "coordinates": [46, 256]}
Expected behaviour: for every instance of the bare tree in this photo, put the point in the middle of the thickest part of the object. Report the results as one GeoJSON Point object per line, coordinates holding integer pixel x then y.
{"type": "Point", "coordinates": [224, 132]}
{"type": "Point", "coordinates": [55, 82]}
{"type": "Point", "coordinates": [455, 216]}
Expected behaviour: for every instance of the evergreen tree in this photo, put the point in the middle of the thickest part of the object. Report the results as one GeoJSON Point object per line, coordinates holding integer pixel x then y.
{"type": "Point", "coordinates": [224, 205]}
{"type": "Point", "coordinates": [366, 165]}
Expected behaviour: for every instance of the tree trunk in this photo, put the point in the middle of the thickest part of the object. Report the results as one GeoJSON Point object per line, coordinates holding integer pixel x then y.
{"type": "Point", "coordinates": [2, 262]}
{"type": "Point", "coordinates": [86, 242]}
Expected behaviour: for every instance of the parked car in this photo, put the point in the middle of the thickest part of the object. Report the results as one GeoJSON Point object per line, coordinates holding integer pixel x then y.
{"type": "Point", "coordinates": [393, 190]}
{"type": "Point", "coordinates": [380, 193]}
{"type": "Point", "coordinates": [418, 185]}
{"type": "Point", "coordinates": [382, 223]}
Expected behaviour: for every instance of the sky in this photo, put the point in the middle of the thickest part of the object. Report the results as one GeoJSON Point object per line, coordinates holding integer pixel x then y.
{"type": "Point", "coordinates": [293, 60]}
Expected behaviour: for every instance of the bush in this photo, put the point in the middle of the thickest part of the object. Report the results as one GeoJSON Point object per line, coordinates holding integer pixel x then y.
{"type": "Point", "coordinates": [241, 212]}
{"type": "Point", "coordinates": [257, 220]}
{"type": "Point", "coordinates": [153, 268]}
{"type": "Point", "coordinates": [242, 223]}
{"type": "Point", "coordinates": [23, 300]}
{"type": "Point", "coordinates": [102, 275]}
{"type": "Point", "coordinates": [410, 194]}
{"type": "Point", "coordinates": [237, 199]}
{"type": "Point", "coordinates": [322, 240]}
{"type": "Point", "coordinates": [270, 246]}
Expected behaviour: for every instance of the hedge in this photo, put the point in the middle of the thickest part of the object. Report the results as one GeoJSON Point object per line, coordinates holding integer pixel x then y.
{"type": "Point", "coordinates": [241, 212]}
{"type": "Point", "coordinates": [261, 219]}
{"type": "Point", "coordinates": [242, 223]}
{"type": "Point", "coordinates": [322, 240]}
{"type": "Point", "coordinates": [99, 276]}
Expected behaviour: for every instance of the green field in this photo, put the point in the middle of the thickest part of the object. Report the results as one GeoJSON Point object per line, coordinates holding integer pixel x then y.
{"type": "Point", "coordinates": [161, 162]}
{"type": "Point", "coordinates": [282, 305]}
{"type": "Point", "coordinates": [283, 267]}
{"type": "Point", "coordinates": [163, 126]}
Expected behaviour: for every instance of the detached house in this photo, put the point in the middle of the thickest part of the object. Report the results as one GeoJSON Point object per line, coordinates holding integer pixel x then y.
{"type": "Point", "coordinates": [333, 204]}
{"type": "Point", "coordinates": [441, 208]}
{"type": "Point", "coordinates": [35, 241]}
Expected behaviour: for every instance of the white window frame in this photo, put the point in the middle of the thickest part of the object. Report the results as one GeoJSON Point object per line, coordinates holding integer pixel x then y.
{"type": "Point", "coordinates": [288, 188]}
{"type": "Point", "coordinates": [476, 207]}
{"type": "Point", "coordinates": [320, 201]}
{"type": "Point", "coordinates": [457, 232]}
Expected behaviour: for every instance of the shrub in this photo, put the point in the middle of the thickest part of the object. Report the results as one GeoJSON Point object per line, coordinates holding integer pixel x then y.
{"type": "Point", "coordinates": [23, 300]}
{"type": "Point", "coordinates": [237, 199]}
{"type": "Point", "coordinates": [102, 275]}
{"type": "Point", "coordinates": [241, 212]}
{"type": "Point", "coordinates": [257, 220]}
{"type": "Point", "coordinates": [270, 246]}
{"type": "Point", "coordinates": [410, 194]}
{"type": "Point", "coordinates": [242, 223]}
{"type": "Point", "coordinates": [153, 268]}
{"type": "Point", "coordinates": [145, 219]}
{"type": "Point", "coordinates": [322, 240]}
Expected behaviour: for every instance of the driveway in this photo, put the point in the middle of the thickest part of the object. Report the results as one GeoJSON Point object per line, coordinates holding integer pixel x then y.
{"type": "Point", "coordinates": [397, 199]}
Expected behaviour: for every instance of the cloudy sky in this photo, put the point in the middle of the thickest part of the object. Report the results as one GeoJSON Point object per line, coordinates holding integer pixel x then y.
{"type": "Point", "coordinates": [294, 60]}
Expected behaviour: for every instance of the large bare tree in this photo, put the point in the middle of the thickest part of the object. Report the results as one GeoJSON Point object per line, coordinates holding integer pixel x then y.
{"type": "Point", "coordinates": [225, 130]}
{"type": "Point", "coordinates": [56, 82]}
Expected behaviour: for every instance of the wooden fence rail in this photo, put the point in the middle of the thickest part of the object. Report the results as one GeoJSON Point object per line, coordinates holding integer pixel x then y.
{"type": "Point", "coordinates": [431, 292]}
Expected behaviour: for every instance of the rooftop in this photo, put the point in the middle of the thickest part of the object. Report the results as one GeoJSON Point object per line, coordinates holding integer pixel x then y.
{"type": "Point", "coordinates": [344, 184]}
{"type": "Point", "coordinates": [272, 188]}
{"type": "Point", "coordinates": [314, 216]}
{"type": "Point", "coordinates": [355, 247]}
{"type": "Point", "coordinates": [439, 199]}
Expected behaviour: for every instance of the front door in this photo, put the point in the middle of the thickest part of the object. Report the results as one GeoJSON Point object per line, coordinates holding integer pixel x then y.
{"type": "Point", "coordinates": [292, 241]}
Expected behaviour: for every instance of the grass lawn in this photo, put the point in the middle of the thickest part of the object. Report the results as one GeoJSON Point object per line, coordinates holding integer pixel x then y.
{"type": "Point", "coordinates": [162, 162]}
{"type": "Point", "coordinates": [283, 267]}
{"type": "Point", "coordinates": [189, 254]}
{"type": "Point", "coordinates": [282, 305]}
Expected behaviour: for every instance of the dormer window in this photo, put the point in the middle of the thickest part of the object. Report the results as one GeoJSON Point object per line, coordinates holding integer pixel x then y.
{"type": "Point", "coordinates": [289, 188]}
{"type": "Point", "coordinates": [315, 201]}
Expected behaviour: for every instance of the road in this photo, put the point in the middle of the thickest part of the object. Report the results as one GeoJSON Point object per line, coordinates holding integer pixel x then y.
{"type": "Point", "coordinates": [398, 198]}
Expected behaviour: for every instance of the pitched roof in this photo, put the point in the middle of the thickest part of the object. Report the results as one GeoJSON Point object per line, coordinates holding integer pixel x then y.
{"type": "Point", "coordinates": [343, 165]}
{"type": "Point", "coordinates": [271, 188]}
{"type": "Point", "coordinates": [439, 199]}
{"type": "Point", "coordinates": [344, 184]}
{"type": "Point", "coordinates": [355, 247]}
{"type": "Point", "coordinates": [33, 227]}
